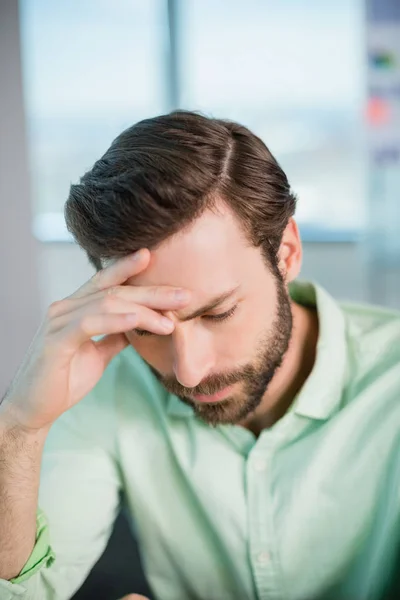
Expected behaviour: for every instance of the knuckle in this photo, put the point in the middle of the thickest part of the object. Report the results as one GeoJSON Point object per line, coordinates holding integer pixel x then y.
{"type": "Point", "coordinates": [55, 308]}
{"type": "Point", "coordinates": [108, 303]}
{"type": "Point", "coordinates": [113, 291]}
{"type": "Point", "coordinates": [49, 327]}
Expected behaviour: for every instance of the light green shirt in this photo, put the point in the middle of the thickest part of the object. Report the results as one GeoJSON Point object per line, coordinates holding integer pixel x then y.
{"type": "Point", "coordinates": [308, 510]}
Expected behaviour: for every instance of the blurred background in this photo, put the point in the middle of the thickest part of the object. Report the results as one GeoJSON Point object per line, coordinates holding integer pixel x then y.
{"type": "Point", "coordinates": [318, 80]}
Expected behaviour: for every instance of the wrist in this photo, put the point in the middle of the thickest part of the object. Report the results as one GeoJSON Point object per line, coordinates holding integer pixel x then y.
{"type": "Point", "coordinates": [12, 427]}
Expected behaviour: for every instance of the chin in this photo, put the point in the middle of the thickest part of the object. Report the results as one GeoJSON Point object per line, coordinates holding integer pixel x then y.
{"type": "Point", "coordinates": [230, 411]}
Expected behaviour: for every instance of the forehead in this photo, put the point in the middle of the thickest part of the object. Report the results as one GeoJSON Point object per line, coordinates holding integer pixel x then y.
{"type": "Point", "coordinates": [212, 254]}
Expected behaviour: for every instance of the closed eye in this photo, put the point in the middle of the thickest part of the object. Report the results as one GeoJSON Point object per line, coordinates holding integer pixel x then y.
{"type": "Point", "coordinates": [142, 332]}
{"type": "Point", "coordinates": [222, 316]}
{"type": "Point", "coordinates": [213, 318]}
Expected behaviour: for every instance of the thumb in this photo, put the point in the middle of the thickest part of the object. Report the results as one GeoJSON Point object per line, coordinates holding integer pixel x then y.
{"type": "Point", "coordinates": [109, 346]}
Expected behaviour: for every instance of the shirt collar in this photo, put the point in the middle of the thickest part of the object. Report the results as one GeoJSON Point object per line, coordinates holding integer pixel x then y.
{"type": "Point", "coordinates": [321, 394]}
{"type": "Point", "coordinates": [177, 408]}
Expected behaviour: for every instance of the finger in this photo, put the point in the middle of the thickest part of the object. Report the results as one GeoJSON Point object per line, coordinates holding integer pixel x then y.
{"type": "Point", "coordinates": [111, 345]}
{"type": "Point", "coordinates": [106, 306]}
{"type": "Point", "coordinates": [79, 330]}
{"type": "Point", "coordinates": [156, 297]}
{"type": "Point", "coordinates": [115, 274]}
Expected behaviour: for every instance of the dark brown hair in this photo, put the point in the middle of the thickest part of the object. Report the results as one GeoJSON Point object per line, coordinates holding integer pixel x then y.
{"type": "Point", "coordinates": [162, 173]}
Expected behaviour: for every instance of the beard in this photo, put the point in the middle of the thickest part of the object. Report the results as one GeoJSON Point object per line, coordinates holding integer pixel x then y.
{"type": "Point", "coordinates": [253, 377]}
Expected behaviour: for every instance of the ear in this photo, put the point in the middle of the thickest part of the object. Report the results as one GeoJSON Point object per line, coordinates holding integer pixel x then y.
{"type": "Point", "coordinates": [290, 253]}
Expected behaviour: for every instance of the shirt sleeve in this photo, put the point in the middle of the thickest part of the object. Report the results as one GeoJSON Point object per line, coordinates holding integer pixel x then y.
{"type": "Point", "coordinates": [78, 499]}
{"type": "Point", "coordinates": [42, 554]}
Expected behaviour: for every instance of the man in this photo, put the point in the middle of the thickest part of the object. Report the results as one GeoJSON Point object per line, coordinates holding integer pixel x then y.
{"type": "Point", "coordinates": [250, 422]}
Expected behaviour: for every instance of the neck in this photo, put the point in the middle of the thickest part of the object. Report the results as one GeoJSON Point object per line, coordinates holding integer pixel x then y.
{"type": "Point", "coordinates": [292, 374]}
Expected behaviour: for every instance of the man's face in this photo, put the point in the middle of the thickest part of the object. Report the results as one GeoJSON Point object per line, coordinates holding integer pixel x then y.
{"type": "Point", "coordinates": [221, 361]}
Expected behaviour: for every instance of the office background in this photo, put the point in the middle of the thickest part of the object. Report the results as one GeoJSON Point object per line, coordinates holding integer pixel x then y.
{"type": "Point", "coordinates": [318, 80]}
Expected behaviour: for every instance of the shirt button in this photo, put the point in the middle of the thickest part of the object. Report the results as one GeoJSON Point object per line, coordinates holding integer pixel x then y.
{"type": "Point", "coordinates": [260, 465]}
{"type": "Point", "coordinates": [263, 558]}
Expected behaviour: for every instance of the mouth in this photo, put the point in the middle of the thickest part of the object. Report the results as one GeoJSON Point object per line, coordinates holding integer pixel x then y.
{"type": "Point", "coordinates": [221, 395]}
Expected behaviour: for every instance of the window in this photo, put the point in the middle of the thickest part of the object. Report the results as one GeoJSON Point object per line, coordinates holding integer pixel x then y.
{"type": "Point", "coordinates": [291, 70]}
{"type": "Point", "coordinates": [91, 69]}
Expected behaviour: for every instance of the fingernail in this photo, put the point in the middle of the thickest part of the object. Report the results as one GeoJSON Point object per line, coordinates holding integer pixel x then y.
{"type": "Point", "coordinates": [166, 323]}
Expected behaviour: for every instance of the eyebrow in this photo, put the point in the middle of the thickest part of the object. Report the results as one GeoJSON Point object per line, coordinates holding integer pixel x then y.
{"type": "Point", "coordinates": [210, 305]}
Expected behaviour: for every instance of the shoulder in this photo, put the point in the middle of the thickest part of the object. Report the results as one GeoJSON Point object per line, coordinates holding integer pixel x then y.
{"type": "Point", "coordinates": [373, 339]}
{"type": "Point", "coordinates": [374, 330]}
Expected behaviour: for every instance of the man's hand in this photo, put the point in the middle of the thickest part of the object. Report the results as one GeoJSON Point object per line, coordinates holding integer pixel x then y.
{"type": "Point", "coordinates": [64, 363]}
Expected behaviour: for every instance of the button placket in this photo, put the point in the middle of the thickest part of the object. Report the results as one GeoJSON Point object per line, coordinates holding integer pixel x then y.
{"type": "Point", "coordinates": [261, 530]}
{"type": "Point", "coordinates": [263, 558]}
{"type": "Point", "coordinates": [260, 465]}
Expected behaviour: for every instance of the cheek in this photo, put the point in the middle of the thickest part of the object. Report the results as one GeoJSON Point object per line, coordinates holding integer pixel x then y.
{"type": "Point", "coordinates": [236, 341]}
{"type": "Point", "coordinates": [252, 324]}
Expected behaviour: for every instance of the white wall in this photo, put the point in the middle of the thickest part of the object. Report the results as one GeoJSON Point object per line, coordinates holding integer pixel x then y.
{"type": "Point", "coordinates": [19, 293]}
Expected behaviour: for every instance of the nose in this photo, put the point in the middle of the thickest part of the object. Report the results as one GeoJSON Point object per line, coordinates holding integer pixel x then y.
{"type": "Point", "coordinates": [193, 357]}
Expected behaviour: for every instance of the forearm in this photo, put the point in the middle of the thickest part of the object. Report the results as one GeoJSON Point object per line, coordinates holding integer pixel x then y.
{"type": "Point", "coordinates": [20, 460]}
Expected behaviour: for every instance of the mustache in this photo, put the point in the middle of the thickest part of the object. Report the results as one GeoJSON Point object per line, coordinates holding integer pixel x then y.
{"type": "Point", "coordinates": [210, 385]}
